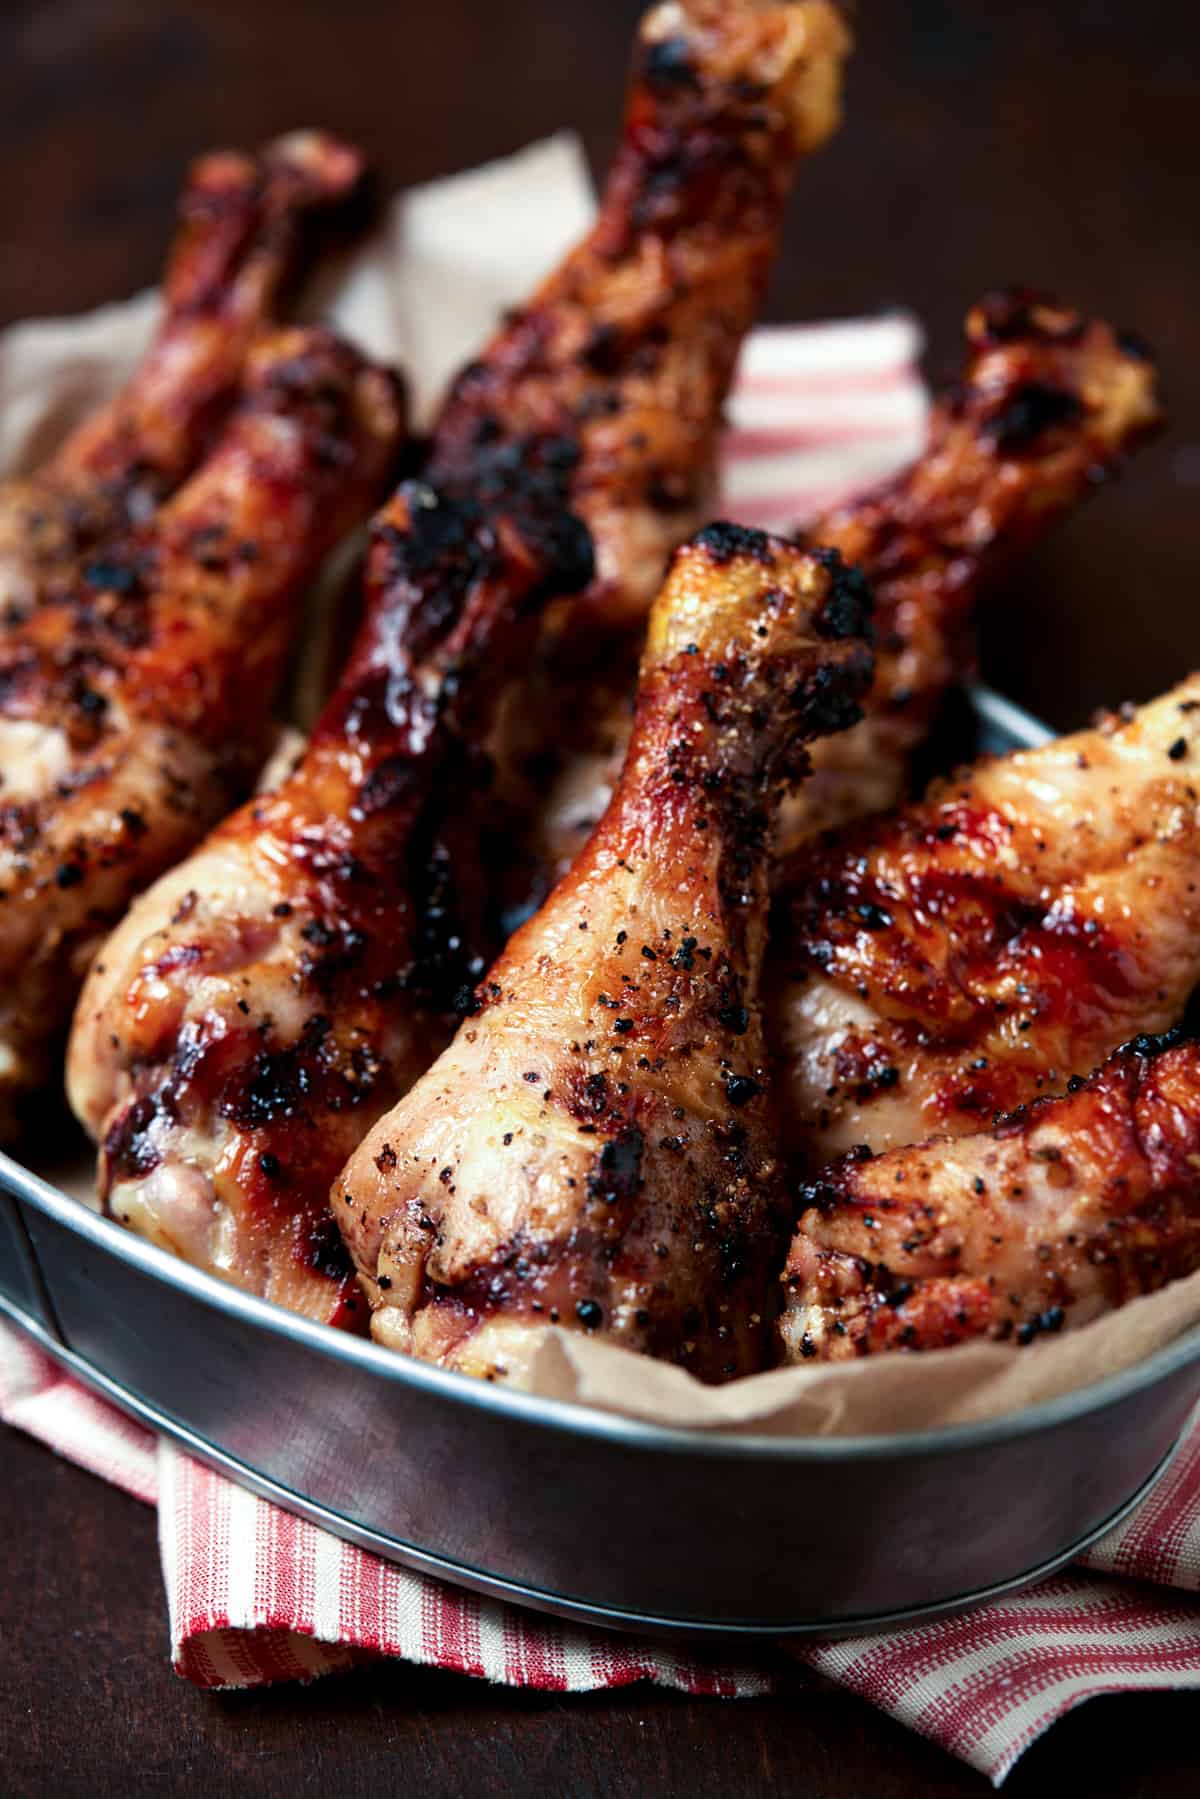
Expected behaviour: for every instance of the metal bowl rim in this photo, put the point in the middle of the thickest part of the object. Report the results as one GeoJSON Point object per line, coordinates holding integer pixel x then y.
{"type": "Point", "coordinates": [571, 1415]}
{"type": "Point", "coordinates": [1026, 731]}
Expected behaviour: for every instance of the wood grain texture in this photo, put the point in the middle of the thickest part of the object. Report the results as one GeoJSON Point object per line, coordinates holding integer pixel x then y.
{"type": "Point", "coordinates": [983, 145]}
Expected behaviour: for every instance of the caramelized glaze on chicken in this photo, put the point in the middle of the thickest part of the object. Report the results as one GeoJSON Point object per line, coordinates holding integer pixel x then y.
{"type": "Point", "coordinates": [1047, 404]}
{"type": "Point", "coordinates": [1062, 1211]}
{"type": "Point", "coordinates": [626, 354]}
{"type": "Point", "coordinates": [267, 998]}
{"type": "Point", "coordinates": [950, 961]}
{"type": "Point", "coordinates": [596, 1147]}
{"type": "Point", "coordinates": [610, 383]}
{"type": "Point", "coordinates": [144, 622]}
{"type": "Point", "coordinates": [626, 351]}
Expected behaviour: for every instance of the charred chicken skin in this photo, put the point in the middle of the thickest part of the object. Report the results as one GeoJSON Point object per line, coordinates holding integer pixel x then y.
{"type": "Point", "coordinates": [957, 958]}
{"type": "Point", "coordinates": [149, 579]}
{"type": "Point", "coordinates": [1062, 1211]}
{"type": "Point", "coordinates": [271, 994]}
{"type": "Point", "coordinates": [609, 386]}
{"type": "Point", "coordinates": [626, 353]}
{"type": "Point", "coordinates": [1047, 405]}
{"type": "Point", "coordinates": [596, 1148]}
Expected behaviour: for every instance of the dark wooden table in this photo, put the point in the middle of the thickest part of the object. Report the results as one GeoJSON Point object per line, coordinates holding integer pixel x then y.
{"type": "Point", "coordinates": [983, 145]}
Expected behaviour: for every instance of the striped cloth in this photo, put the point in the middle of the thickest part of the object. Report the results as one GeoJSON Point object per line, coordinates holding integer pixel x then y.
{"type": "Point", "coordinates": [256, 1595]}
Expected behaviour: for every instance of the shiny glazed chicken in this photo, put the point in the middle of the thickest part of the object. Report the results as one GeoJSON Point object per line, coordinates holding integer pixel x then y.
{"type": "Point", "coordinates": [268, 996]}
{"type": "Point", "coordinates": [149, 579]}
{"type": "Point", "coordinates": [1062, 1211]}
{"type": "Point", "coordinates": [957, 958]}
{"type": "Point", "coordinates": [625, 353]}
{"type": "Point", "coordinates": [608, 387]}
{"type": "Point", "coordinates": [596, 1148]}
{"type": "Point", "coordinates": [1047, 404]}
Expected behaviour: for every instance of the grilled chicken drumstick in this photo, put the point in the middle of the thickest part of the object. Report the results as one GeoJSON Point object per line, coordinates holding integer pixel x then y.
{"type": "Point", "coordinates": [957, 958]}
{"type": "Point", "coordinates": [1046, 406]}
{"type": "Point", "coordinates": [248, 224]}
{"type": "Point", "coordinates": [140, 648]}
{"type": "Point", "coordinates": [612, 378]}
{"type": "Point", "coordinates": [272, 993]}
{"type": "Point", "coordinates": [1059, 1213]}
{"type": "Point", "coordinates": [596, 1146]}
{"type": "Point", "coordinates": [627, 351]}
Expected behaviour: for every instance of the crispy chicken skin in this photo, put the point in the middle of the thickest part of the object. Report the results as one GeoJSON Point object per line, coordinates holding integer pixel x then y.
{"type": "Point", "coordinates": [148, 580]}
{"type": "Point", "coordinates": [952, 960]}
{"type": "Point", "coordinates": [1062, 1211]}
{"type": "Point", "coordinates": [596, 1147]}
{"type": "Point", "coordinates": [248, 224]}
{"type": "Point", "coordinates": [1047, 404]}
{"type": "Point", "coordinates": [134, 693]}
{"type": "Point", "coordinates": [273, 993]}
{"type": "Point", "coordinates": [626, 351]}
{"type": "Point", "coordinates": [626, 354]}
{"type": "Point", "coordinates": [610, 382]}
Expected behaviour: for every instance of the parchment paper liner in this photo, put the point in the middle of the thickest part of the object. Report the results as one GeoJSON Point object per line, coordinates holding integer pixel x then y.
{"type": "Point", "coordinates": [446, 259]}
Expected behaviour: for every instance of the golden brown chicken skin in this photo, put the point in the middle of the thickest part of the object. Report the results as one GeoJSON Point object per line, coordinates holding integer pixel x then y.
{"type": "Point", "coordinates": [955, 959]}
{"type": "Point", "coordinates": [596, 1148]}
{"type": "Point", "coordinates": [149, 576]}
{"type": "Point", "coordinates": [270, 995]}
{"type": "Point", "coordinates": [247, 227]}
{"type": "Point", "coordinates": [609, 383]}
{"type": "Point", "coordinates": [1061, 1212]}
{"type": "Point", "coordinates": [1047, 405]}
{"type": "Point", "coordinates": [625, 353]}
{"type": "Point", "coordinates": [135, 696]}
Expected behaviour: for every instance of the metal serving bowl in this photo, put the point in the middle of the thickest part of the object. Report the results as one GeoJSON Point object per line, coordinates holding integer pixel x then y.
{"type": "Point", "coordinates": [575, 1511]}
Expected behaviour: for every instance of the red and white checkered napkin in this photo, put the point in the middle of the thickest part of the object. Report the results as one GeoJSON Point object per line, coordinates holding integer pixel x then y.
{"type": "Point", "coordinates": [256, 1595]}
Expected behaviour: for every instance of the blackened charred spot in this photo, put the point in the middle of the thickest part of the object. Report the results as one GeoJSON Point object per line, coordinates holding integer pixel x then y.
{"type": "Point", "coordinates": [110, 574]}
{"type": "Point", "coordinates": [1046, 1323]}
{"type": "Point", "coordinates": [616, 1174]}
{"type": "Point", "coordinates": [277, 1083]}
{"type": "Point", "coordinates": [589, 1313]}
{"type": "Point", "coordinates": [818, 1196]}
{"type": "Point", "coordinates": [873, 917]}
{"type": "Point", "coordinates": [388, 785]}
{"type": "Point", "coordinates": [1035, 408]}
{"type": "Point", "coordinates": [323, 1249]}
{"type": "Point", "coordinates": [740, 1089]}
{"type": "Point", "coordinates": [722, 542]}
{"type": "Point", "coordinates": [130, 1151]}
{"type": "Point", "coordinates": [1149, 1045]}
{"type": "Point", "coordinates": [668, 66]}
{"type": "Point", "coordinates": [827, 701]}
{"type": "Point", "coordinates": [850, 603]}
{"type": "Point", "coordinates": [603, 352]}
{"type": "Point", "coordinates": [274, 1085]}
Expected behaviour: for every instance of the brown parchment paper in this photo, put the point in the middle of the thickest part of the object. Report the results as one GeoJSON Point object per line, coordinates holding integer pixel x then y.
{"type": "Point", "coordinates": [424, 292]}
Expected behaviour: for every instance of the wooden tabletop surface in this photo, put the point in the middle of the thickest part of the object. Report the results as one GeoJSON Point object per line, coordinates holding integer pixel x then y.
{"type": "Point", "coordinates": [983, 145]}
